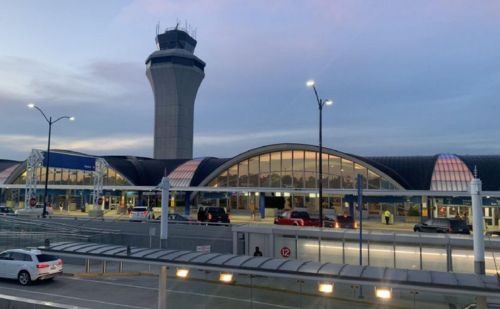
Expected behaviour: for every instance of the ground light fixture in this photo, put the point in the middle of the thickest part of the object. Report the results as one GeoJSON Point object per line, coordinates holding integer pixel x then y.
{"type": "Point", "coordinates": [182, 272]}
{"type": "Point", "coordinates": [383, 293]}
{"type": "Point", "coordinates": [325, 287]}
{"type": "Point", "coordinates": [226, 277]}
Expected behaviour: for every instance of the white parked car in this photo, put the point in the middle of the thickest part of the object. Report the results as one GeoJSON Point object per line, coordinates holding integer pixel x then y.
{"type": "Point", "coordinates": [29, 265]}
{"type": "Point", "coordinates": [140, 213]}
{"type": "Point", "coordinates": [34, 211]}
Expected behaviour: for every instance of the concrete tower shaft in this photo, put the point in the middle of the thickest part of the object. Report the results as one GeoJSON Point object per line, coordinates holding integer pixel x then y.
{"type": "Point", "coordinates": [175, 75]}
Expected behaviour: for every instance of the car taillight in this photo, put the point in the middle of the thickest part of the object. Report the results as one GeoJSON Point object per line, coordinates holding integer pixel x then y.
{"type": "Point", "coordinates": [337, 225]}
{"type": "Point", "coordinates": [59, 262]}
{"type": "Point", "coordinates": [144, 213]}
{"type": "Point", "coordinates": [42, 265]}
{"type": "Point", "coordinates": [209, 216]}
{"type": "Point", "coordinates": [355, 224]}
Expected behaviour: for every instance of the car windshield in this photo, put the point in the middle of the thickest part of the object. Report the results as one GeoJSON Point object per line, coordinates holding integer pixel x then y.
{"type": "Point", "coordinates": [139, 209]}
{"type": "Point", "coordinates": [300, 215]}
{"type": "Point", "coordinates": [343, 219]}
{"type": "Point", "coordinates": [46, 258]}
{"type": "Point", "coordinates": [458, 223]}
{"type": "Point", "coordinates": [217, 210]}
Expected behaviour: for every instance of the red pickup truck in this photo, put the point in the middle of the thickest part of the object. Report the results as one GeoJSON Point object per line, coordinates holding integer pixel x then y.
{"type": "Point", "coordinates": [296, 217]}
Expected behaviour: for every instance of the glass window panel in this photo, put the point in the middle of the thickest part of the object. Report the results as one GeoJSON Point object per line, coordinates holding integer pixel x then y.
{"type": "Point", "coordinates": [310, 179]}
{"type": "Point", "coordinates": [373, 180]}
{"type": "Point", "coordinates": [286, 168]}
{"type": "Point", "coordinates": [253, 172]}
{"type": "Point", "coordinates": [232, 176]}
{"type": "Point", "coordinates": [275, 179]}
{"type": "Point", "coordinates": [276, 162]}
{"type": "Point", "coordinates": [310, 161]}
{"type": "Point", "coordinates": [264, 163]}
{"type": "Point", "coordinates": [264, 179]}
{"type": "Point", "coordinates": [222, 179]}
{"type": "Point", "coordinates": [243, 173]}
{"type": "Point", "coordinates": [298, 179]}
{"type": "Point", "coordinates": [335, 173]}
{"type": "Point", "coordinates": [298, 160]}
{"type": "Point", "coordinates": [347, 174]}
{"type": "Point", "coordinates": [359, 169]}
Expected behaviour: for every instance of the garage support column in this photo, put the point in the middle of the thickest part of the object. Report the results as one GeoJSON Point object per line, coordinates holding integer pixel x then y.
{"type": "Point", "coordinates": [162, 288]}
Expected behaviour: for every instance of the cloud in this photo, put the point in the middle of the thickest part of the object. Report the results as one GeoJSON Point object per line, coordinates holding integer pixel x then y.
{"type": "Point", "coordinates": [97, 82]}
{"type": "Point", "coordinates": [116, 144]}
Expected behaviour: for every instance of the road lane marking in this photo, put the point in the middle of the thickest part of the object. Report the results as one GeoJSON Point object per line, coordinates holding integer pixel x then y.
{"type": "Point", "coordinates": [73, 298]}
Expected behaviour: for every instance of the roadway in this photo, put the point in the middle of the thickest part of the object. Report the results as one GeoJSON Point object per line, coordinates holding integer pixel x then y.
{"type": "Point", "coordinates": [140, 292]}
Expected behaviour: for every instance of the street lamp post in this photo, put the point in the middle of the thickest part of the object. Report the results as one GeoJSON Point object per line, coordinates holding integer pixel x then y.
{"type": "Point", "coordinates": [321, 103]}
{"type": "Point", "coordinates": [50, 122]}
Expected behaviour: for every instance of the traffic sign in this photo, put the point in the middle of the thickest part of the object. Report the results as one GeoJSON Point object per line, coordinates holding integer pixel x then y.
{"type": "Point", "coordinates": [285, 252]}
{"type": "Point", "coordinates": [32, 202]}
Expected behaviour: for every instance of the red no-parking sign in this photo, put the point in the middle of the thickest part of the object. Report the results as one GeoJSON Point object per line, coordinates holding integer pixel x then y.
{"type": "Point", "coordinates": [32, 202]}
{"type": "Point", "coordinates": [285, 252]}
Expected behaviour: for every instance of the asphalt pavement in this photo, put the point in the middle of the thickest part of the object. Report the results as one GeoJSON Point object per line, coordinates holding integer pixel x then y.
{"type": "Point", "coordinates": [140, 292]}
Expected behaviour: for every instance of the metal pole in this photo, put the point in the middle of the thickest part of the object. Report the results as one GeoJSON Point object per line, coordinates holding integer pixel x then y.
{"type": "Point", "coordinates": [320, 185]}
{"type": "Point", "coordinates": [477, 226]}
{"type": "Point", "coordinates": [45, 196]}
{"type": "Point", "coordinates": [478, 237]}
{"type": "Point", "coordinates": [162, 288]}
{"type": "Point", "coordinates": [360, 209]}
{"type": "Point", "coordinates": [165, 187]}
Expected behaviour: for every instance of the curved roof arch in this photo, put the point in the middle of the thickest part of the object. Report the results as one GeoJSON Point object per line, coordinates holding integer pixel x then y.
{"type": "Point", "coordinates": [294, 146]}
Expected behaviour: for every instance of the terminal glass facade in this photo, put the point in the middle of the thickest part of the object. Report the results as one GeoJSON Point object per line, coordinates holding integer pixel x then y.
{"type": "Point", "coordinates": [299, 169]}
{"type": "Point", "coordinates": [62, 176]}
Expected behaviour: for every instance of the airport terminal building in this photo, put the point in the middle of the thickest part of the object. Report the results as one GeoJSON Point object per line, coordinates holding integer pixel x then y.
{"type": "Point", "coordinates": [268, 179]}
{"type": "Point", "coordinates": [261, 181]}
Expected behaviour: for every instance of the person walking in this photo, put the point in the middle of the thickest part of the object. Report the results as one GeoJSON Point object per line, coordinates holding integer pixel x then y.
{"type": "Point", "coordinates": [257, 252]}
{"type": "Point", "coordinates": [387, 215]}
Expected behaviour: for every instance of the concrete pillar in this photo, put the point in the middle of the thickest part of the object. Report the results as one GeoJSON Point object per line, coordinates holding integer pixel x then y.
{"type": "Point", "coordinates": [477, 226]}
{"type": "Point", "coordinates": [165, 188]}
{"type": "Point", "coordinates": [162, 288]}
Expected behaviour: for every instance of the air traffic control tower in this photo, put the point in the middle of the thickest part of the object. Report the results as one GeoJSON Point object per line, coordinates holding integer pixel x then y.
{"type": "Point", "coordinates": [175, 74]}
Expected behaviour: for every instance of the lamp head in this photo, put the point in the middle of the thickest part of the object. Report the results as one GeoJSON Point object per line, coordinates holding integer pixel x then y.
{"type": "Point", "coordinates": [310, 83]}
{"type": "Point", "coordinates": [328, 102]}
{"type": "Point", "coordinates": [31, 105]}
{"type": "Point", "coordinates": [71, 118]}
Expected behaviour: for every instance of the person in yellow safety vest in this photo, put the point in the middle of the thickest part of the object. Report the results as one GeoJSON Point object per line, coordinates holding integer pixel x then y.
{"type": "Point", "coordinates": [387, 215]}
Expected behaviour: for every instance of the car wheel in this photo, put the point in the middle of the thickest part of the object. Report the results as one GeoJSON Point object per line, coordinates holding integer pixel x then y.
{"type": "Point", "coordinates": [24, 278]}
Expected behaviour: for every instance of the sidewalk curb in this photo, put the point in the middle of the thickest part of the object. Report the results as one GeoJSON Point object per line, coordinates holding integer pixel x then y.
{"type": "Point", "coordinates": [108, 274]}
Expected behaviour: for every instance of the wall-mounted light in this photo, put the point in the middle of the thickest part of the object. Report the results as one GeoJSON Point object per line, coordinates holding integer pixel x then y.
{"type": "Point", "coordinates": [226, 277]}
{"type": "Point", "coordinates": [182, 272]}
{"type": "Point", "coordinates": [383, 293]}
{"type": "Point", "coordinates": [325, 287]}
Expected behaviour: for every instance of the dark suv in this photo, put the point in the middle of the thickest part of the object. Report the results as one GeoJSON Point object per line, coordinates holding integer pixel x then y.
{"type": "Point", "coordinates": [443, 225]}
{"type": "Point", "coordinates": [6, 211]}
{"type": "Point", "coordinates": [213, 214]}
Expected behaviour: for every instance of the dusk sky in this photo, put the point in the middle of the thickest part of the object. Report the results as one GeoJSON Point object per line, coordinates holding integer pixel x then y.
{"type": "Point", "coordinates": [407, 77]}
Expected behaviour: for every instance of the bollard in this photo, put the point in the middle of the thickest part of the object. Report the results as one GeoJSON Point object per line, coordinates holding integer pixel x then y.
{"type": "Point", "coordinates": [104, 266]}
{"type": "Point", "coordinates": [87, 265]}
{"type": "Point", "coordinates": [120, 267]}
{"type": "Point", "coordinates": [128, 250]}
